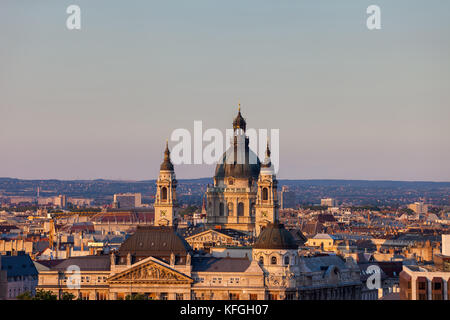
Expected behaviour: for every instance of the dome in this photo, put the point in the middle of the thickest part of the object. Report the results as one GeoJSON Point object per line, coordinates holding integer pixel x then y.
{"type": "Point", "coordinates": [239, 121]}
{"type": "Point", "coordinates": [228, 167]}
{"type": "Point", "coordinates": [275, 236]}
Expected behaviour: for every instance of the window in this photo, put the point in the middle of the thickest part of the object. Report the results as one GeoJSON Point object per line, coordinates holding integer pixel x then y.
{"type": "Point", "coordinates": [286, 260]}
{"type": "Point", "coordinates": [84, 295]}
{"type": "Point", "coordinates": [164, 193]}
{"type": "Point", "coordinates": [163, 296]}
{"type": "Point", "coordinates": [234, 280]}
{"type": "Point", "coordinates": [437, 286]}
{"type": "Point", "coordinates": [101, 296]}
{"type": "Point", "coordinates": [422, 296]}
{"type": "Point", "coordinates": [178, 296]}
{"type": "Point", "coordinates": [261, 260]}
{"type": "Point", "coordinates": [234, 296]}
{"type": "Point", "coordinates": [421, 285]}
{"type": "Point", "coordinates": [240, 209]}
{"type": "Point", "coordinates": [265, 194]}
{"type": "Point", "coordinates": [221, 209]}
{"type": "Point", "coordinates": [253, 296]}
{"type": "Point", "coordinates": [272, 296]}
{"type": "Point", "coordinates": [290, 295]}
{"type": "Point", "coordinates": [273, 260]}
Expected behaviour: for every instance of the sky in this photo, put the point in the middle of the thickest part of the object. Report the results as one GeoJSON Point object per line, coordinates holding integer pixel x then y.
{"type": "Point", "coordinates": [349, 103]}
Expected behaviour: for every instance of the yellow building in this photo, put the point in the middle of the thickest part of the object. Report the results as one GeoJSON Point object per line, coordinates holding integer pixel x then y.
{"type": "Point", "coordinates": [158, 263]}
{"type": "Point", "coordinates": [323, 241]}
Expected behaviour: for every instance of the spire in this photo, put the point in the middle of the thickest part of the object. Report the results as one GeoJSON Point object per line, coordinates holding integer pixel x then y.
{"type": "Point", "coordinates": [267, 162]}
{"type": "Point", "coordinates": [267, 149]}
{"type": "Point", "coordinates": [167, 164]}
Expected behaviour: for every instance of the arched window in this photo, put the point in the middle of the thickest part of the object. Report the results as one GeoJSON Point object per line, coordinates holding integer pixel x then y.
{"type": "Point", "coordinates": [286, 260]}
{"type": "Point", "coordinates": [221, 209]}
{"type": "Point", "coordinates": [240, 209]}
{"type": "Point", "coordinates": [164, 193]}
{"type": "Point", "coordinates": [273, 260]}
{"type": "Point", "coordinates": [265, 194]}
{"type": "Point", "coordinates": [261, 260]}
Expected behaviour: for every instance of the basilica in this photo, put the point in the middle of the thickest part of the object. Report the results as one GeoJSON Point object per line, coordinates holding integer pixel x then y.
{"type": "Point", "coordinates": [244, 195]}
{"type": "Point", "coordinates": [160, 261]}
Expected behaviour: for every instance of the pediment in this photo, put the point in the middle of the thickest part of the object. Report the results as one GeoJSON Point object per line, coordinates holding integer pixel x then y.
{"type": "Point", "coordinates": [208, 233]}
{"type": "Point", "coordinates": [150, 271]}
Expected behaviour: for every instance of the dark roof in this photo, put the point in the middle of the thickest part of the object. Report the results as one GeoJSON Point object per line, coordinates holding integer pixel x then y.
{"type": "Point", "coordinates": [86, 263]}
{"type": "Point", "coordinates": [50, 263]}
{"type": "Point", "coordinates": [4, 228]}
{"type": "Point", "coordinates": [228, 167]}
{"type": "Point", "coordinates": [239, 121]}
{"type": "Point", "coordinates": [214, 264]}
{"type": "Point", "coordinates": [154, 241]}
{"type": "Point", "coordinates": [167, 164]}
{"type": "Point", "coordinates": [20, 265]}
{"type": "Point", "coordinates": [299, 237]}
{"type": "Point", "coordinates": [275, 236]}
{"type": "Point", "coordinates": [326, 217]}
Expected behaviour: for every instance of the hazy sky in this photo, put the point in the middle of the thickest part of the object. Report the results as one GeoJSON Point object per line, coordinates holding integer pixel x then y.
{"type": "Point", "coordinates": [100, 102]}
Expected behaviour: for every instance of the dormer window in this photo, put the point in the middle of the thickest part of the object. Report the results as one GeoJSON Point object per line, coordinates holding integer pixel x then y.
{"type": "Point", "coordinates": [273, 260]}
{"type": "Point", "coordinates": [261, 260]}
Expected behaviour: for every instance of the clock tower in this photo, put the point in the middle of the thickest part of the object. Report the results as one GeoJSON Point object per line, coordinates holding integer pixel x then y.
{"type": "Point", "coordinates": [266, 207]}
{"type": "Point", "coordinates": [166, 200]}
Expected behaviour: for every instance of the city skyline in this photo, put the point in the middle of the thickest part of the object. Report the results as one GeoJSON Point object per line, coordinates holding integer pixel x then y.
{"type": "Point", "coordinates": [350, 103]}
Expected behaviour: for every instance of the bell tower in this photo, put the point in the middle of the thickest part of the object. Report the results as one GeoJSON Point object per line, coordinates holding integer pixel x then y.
{"type": "Point", "coordinates": [166, 200]}
{"type": "Point", "coordinates": [266, 207]}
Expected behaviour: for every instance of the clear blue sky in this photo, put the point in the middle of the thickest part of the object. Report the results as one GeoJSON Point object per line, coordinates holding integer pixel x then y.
{"type": "Point", "coordinates": [350, 103]}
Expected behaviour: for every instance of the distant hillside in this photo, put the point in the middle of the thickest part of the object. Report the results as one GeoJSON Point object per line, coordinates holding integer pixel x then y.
{"type": "Point", "coordinates": [191, 190]}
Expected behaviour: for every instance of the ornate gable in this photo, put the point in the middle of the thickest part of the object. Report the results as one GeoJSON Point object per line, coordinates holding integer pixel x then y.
{"type": "Point", "coordinates": [150, 271]}
{"type": "Point", "coordinates": [209, 235]}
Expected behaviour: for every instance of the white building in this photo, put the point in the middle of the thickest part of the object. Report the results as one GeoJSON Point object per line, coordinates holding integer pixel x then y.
{"type": "Point", "coordinates": [127, 200]}
{"type": "Point", "coordinates": [328, 202]}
